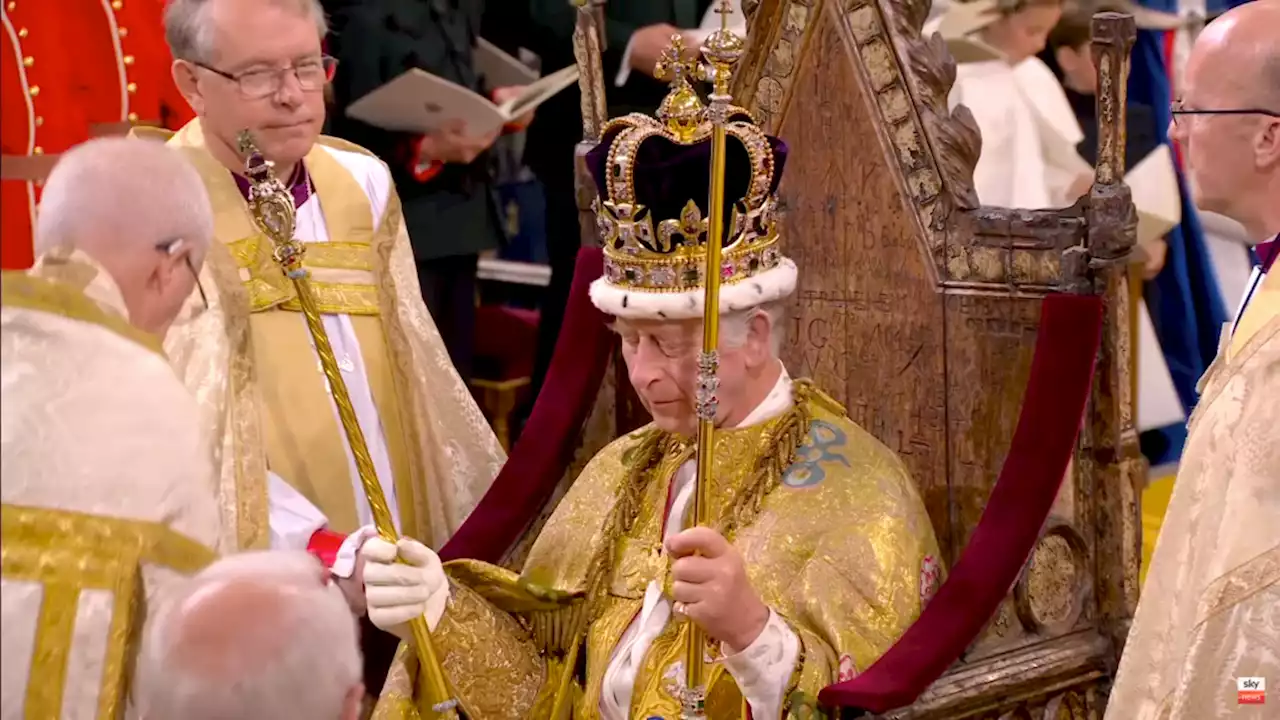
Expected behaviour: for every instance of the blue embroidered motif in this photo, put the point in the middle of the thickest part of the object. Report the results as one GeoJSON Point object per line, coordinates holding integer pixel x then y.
{"type": "Point", "coordinates": [807, 470]}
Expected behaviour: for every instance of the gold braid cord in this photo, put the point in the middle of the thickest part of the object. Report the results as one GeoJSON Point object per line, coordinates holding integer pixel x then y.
{"type": "Point", "coordinates": [272, 207]}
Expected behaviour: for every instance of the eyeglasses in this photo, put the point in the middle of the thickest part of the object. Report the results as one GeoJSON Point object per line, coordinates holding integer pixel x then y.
{"type": "Point", "coordinates": [312, 75]}
{"type": "Point", "coordinates": [1177, 109]}
{"type": "Point", "coordinates": [168, 247]}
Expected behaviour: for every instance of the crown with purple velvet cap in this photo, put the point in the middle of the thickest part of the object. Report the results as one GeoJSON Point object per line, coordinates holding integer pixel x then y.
{"type": "Point", "coordinates": [654, 178]}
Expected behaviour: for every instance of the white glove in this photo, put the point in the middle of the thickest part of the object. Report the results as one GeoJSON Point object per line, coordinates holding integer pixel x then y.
{"type": "Point", "coordinates": [399, 592]}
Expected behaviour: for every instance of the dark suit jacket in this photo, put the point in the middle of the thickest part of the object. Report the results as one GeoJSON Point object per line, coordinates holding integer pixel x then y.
{"type": "Point", "coordinates": [558, 126]}
{"type": "Point", "coordinates": [454, 213]}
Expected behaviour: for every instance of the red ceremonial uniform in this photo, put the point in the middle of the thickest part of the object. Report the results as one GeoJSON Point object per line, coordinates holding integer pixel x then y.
{"type": "Point", "coordinates": [72, 69]}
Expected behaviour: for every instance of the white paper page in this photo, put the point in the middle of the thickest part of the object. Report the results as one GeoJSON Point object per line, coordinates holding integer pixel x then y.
{"type": "Point", "coordinates": [538, 93]}
{"type": "Point", "coordinates": [420, 102]}
{"type": "Point", "coordinates": [500, 69]}
{"type": "Point", "coordinates": [1153, 183]}
{"type": "Point", "coordinates": [1158, 403]}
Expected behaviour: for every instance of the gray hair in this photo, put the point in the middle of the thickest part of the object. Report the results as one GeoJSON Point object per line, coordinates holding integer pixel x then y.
{"type": "Point", "coordinates": [189, 34]}
{"type": "Point", "coordinates": [255, 636]}
{"type": "Point", "coordinates": [735, 325]}
{"type": "Point", "coordinates": [116, 190]}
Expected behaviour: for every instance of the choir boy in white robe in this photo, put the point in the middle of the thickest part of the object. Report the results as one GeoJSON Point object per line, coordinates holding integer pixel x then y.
{"type": "Point", "coordinates": [1029, 133]}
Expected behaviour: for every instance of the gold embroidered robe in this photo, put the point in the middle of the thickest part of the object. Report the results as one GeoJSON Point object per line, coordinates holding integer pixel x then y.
{"type": "Point", "coordinates": [250, 361]}
{"type": "Point", "coordinates": [831, 527]}
{"type": "Point", "coordinates": [106, 484]}
{"type": "Point", "coordinates": [1209, 614]}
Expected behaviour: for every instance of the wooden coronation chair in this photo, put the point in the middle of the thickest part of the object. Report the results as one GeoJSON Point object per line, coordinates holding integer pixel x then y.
{"type": "Point", "coordinates": [989, 347]}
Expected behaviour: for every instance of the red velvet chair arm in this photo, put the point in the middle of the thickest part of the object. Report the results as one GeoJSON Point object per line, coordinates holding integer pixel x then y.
{"type": "Point", "coordinates": [1052, 410]}
{"type": "Point", "coordinates": [553, 430]}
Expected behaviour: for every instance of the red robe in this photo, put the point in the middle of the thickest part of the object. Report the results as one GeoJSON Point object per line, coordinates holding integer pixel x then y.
{"type": "Point", "coordinates": [73, 69]}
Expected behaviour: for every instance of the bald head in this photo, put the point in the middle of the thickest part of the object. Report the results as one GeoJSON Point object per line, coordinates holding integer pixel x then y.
{"type": "Point", "coordinates": [107, 194]}
{"type": "Point", "coordinates": [255, 636]}
{"type": "Point", "coordinates": [140, 210]}
{"type": "Point", "coordinates": [1229, 127]}
{"type": "Point", "coordinates": [1241, 48]}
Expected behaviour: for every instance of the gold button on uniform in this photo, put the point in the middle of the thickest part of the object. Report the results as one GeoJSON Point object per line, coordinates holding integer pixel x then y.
{"type": "Point", "coordinates": [116, 4]}
{"type": "Point", "coordinates": [131, 87]}
{"type": "Point", "coordinates": [38, 150]}
{"type": "Point", "coordinates": [22, 32]}
{"type": "Point", "coordinates": [11, 6]}
{"type": "Point", "coordinates": [34, 91]}
{"type": "Point", "coordinates": [128, 59]}
{"type": "Point", "coordinates": [133, 117]}
{"type": "Point", "coordinates": [28, 61]}
{"type": "Point", "coordinates": [39, 120]}
{"type": "Point", "coordinates": [123, 32]}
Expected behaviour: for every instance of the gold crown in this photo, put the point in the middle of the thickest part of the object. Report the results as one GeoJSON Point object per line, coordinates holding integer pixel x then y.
{"type": "Point", "coordinates": [668, 254]}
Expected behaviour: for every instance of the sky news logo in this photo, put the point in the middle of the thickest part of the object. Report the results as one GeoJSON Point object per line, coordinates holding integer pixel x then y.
{"type": "Point", "coordinates": [1251, 691]}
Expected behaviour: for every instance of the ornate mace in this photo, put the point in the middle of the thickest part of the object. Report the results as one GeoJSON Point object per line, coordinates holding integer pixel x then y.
{"type": "Point", "coordinates": [271, 205]}
{"type": "Point", "coordinates": [722, 51]}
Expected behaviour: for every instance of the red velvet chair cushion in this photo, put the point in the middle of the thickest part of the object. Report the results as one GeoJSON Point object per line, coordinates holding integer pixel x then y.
{"type": "Point", "coordinates": [554, 428]}
{"type": "Point", "coordinates": [505, 341]}
{"type": "Point", "coordinates": [1052, 408]}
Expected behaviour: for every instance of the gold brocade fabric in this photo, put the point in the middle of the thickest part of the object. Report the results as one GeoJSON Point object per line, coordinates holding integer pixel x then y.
{"type": "Point", "coordinates": [256, 380]}
{"type": "Point", "coordinates": [837, 541]}
{"type": "Point", "coordinates": [105, 498]}
{"type": "Point", "coordinates": [64, 285]}
{"type": "Point", "coordinates": [1209, 614]}
{"type": "Point", "coordinates": [79, 560]}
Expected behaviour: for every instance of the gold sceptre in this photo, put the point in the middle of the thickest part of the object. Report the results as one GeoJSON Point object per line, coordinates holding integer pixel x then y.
{"type": "Point", "coordinates": [271, 205]}
{"type": "Point", "coordinates": [722, 51]}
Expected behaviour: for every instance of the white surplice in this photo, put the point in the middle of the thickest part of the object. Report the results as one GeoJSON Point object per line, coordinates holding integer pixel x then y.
{"type": "Point", "coordinates": [1029, 133]}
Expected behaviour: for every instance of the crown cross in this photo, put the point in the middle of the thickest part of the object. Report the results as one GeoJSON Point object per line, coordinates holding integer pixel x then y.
{"type": "Point", "coordinates": [673, 66]}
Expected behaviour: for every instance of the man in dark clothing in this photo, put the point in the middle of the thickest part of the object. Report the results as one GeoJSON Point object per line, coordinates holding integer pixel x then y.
{"type": "Point", "coordinates": [636, 31]}
{"type": "Point", "coordinates": [443, 178]}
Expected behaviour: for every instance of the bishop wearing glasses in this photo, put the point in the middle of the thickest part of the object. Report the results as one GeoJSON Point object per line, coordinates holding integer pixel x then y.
{"type": "Point", "coordinates": [288, 479]}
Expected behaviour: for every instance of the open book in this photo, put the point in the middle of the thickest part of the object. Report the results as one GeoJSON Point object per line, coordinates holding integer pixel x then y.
{"type": "Point", "coordinates": [1153, 184]}
{"type": "Point", "coordinates": [420, 102]}
{"type": "Point", "coordinates": [499, 68]}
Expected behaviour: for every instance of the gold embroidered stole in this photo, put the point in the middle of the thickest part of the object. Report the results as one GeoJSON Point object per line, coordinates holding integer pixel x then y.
{"type": "Point", "coordinates": [69, 554]}
{"type": "Point", "coordinates": [1262, 309]}
{"type": "Point", "coordinates": [58, 293]}
{"type": "Point", "coordinates": [304, 442]}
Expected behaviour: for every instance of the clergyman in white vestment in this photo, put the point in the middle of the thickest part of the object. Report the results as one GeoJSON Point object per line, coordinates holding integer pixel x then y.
{"type": "Point", "coordinates": [288, 473]}
{"type": "Point", "coordinates": [105, 469]}
{"type": "Point", "coordinates": [1206, 634]}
